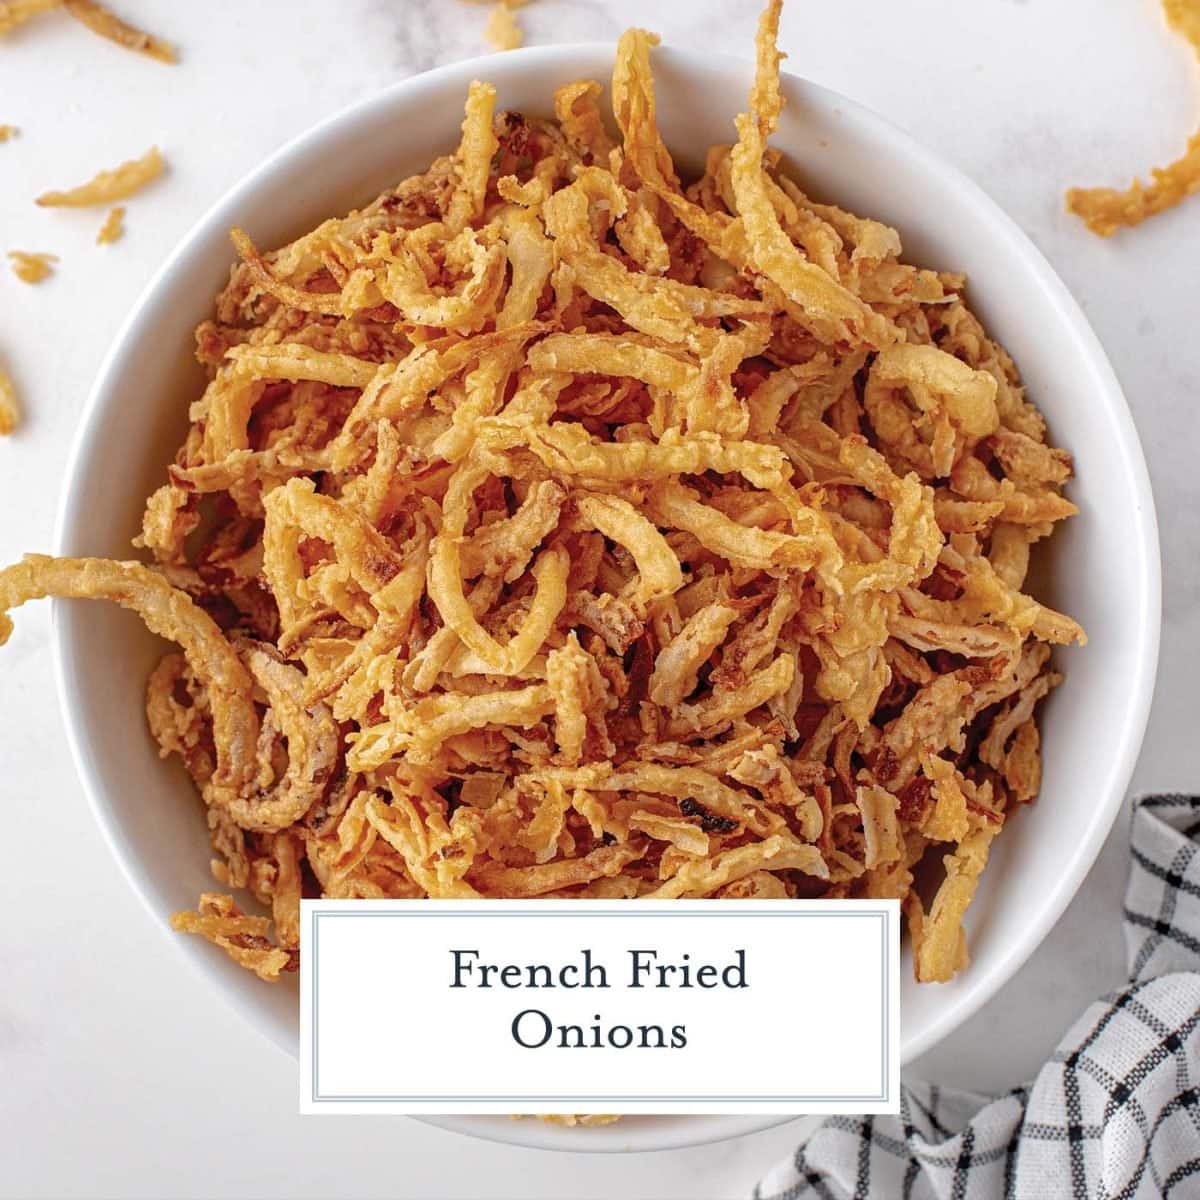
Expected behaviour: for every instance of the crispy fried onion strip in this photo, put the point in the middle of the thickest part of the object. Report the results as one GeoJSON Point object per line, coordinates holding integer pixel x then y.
{"type": "Point", "coordinates": [530, 255]}
{"type": "Point", "coordinates": [295, 362]}
{"type": "Point", "coordinates": [659, 573]}
{"type": "Point", "coordinates": [657, 307]}
{"type": "Point", "coordinates": [635, 112]}
{"type": "Point", "coordinates": [167, 612]}
{"type": "Point", "coordinates": [955, 405]}
{"type": "Point", "coordinates": [575, 105]}
{"type": "Point", "coordinates": [295, 512]}
{"type": "Point", "coordinates": [474, 156]}
{"type": "Point", "coordinates": [776, 853]}
{"type": "Point", "coordinates": [723, 706]}
{"type": "Point", "coordinates": [679, 507]}
{"type": "Point", "coordinates": [505, 547]}
{"type": "Point", "coordinates": [419, 731]}
{"type": "Point", "coordinates": [566, 449]}
{"type": "Point", "coordinates": [830, 307]}
{"type": "Point", "coordinates": [445, 586]}
{"type": "Point", "coordinates": [613, 355]}
{"type": "Point", "coordinates": [312, 739]}
{"type": "Point", "coordinates": [678, 663]}
{"type": "Point", "coordinates": [446, 591]}
{"type": "Point", "coordinates": [477, 258]}
{"type": "Point", "coordinates": [939, 943]}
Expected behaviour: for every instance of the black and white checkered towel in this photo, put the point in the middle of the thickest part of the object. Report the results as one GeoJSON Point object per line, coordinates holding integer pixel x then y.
{"type": "Point", "coordinates": [1114, 1113]}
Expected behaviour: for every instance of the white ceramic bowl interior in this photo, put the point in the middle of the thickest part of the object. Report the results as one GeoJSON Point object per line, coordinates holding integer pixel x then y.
{"type": "Point", "coordinates": [1102, 567]}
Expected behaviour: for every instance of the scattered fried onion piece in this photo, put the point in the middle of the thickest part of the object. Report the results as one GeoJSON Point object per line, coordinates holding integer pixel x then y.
{"type": "Point", "coordinates": [31, 267]}
{"type": "Point", "coordinates": [17, 12]}
{"type": "Point", "coordinates": [113, 227]}
{"type": "Point", "coordinates": [10, 414]}
{"type": "Point", "coordinates": [502, 31]}
{"type": "Point", "coordinates": [1105, 210]}
{"type": "Point", "coordinates": [109, 186]}
{"type": "Point", "coordinates": [107, 24]}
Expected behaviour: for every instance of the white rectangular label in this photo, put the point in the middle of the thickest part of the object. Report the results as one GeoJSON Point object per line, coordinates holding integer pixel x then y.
{"type": "Point", "coordinates": [590, 1006]}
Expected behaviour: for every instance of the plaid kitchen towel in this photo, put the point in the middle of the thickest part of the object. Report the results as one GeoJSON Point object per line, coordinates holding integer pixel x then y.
{"type": "Point", "coordinates": [1114, 1113]}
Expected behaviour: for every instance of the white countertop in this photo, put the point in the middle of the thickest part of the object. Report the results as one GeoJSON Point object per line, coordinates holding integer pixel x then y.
{"type": "Point", "coordinates": [122, 1074]}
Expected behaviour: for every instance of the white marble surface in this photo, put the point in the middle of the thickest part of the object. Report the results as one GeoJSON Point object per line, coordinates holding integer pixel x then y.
{"type": "Point", "coordinates": [121, 1075]}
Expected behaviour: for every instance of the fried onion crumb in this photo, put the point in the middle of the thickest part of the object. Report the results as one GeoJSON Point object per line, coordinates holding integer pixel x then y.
{"type": "Point", "coordinates": [113, 228]}
{"type": "Point", "coordinates": [31, 266]}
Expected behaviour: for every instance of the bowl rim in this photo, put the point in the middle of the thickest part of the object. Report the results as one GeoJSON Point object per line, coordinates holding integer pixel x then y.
{"type": "Point", "coordinates": [663, 1132]}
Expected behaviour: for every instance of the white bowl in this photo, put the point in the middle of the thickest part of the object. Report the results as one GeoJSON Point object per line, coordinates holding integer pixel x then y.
{"type": "Point", "coordinates": [1102, 567]}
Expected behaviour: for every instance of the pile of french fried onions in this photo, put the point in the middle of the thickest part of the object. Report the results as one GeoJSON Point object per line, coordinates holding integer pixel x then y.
{"type": "Point", "coordinates": [550, 528]}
